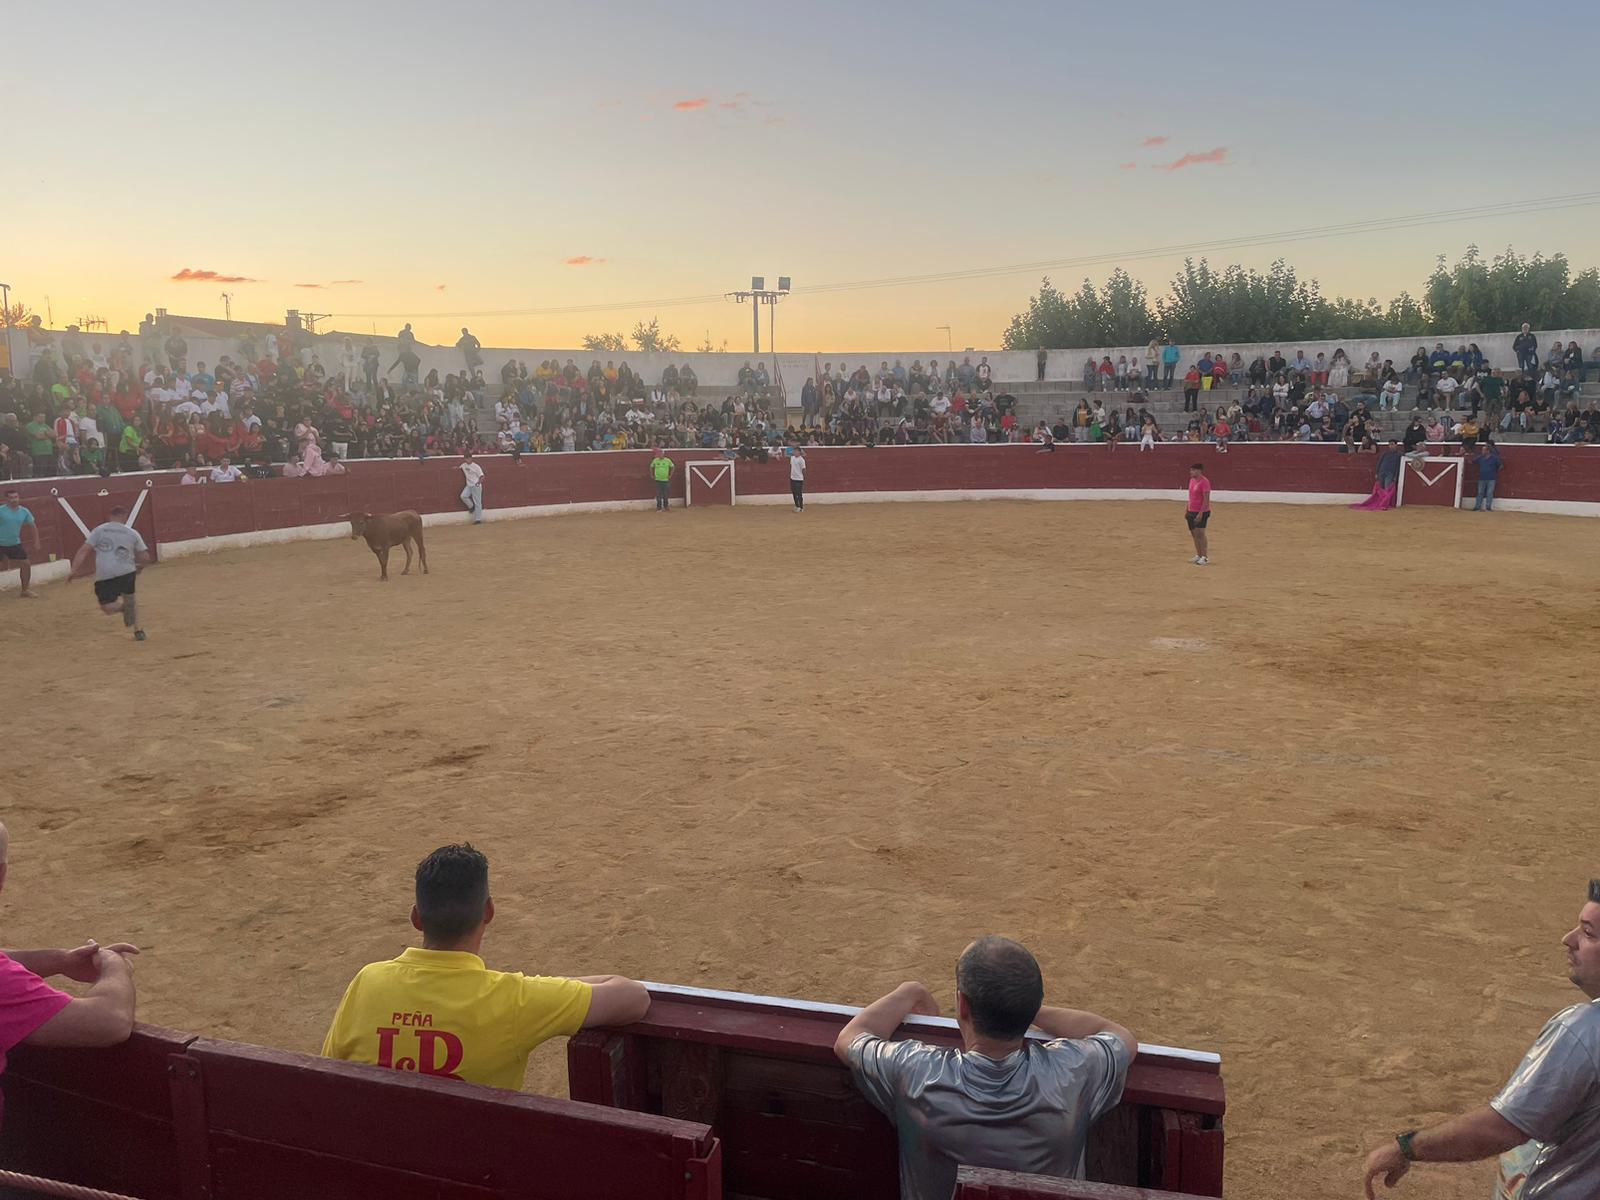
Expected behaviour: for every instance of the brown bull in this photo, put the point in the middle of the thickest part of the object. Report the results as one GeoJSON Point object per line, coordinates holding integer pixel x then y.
{"type": "Point", "coordinates": [384, 531]}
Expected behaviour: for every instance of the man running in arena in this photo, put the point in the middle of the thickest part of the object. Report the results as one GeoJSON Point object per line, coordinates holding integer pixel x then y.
{"type": "Point", "coordinates": [472, 492]}
{"type": "Point", "coordinates": [119, 555]}
{"type": "Point", "coordinates": [1199, 512]}
{"type": "Point", "coordinates": [437, 1010]}
{"type": "Point", "coordinates": [14, 520]}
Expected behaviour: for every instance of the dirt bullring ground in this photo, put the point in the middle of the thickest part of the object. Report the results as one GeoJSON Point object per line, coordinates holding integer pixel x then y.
{"type": "Point", "coordinates": [1325, 806]}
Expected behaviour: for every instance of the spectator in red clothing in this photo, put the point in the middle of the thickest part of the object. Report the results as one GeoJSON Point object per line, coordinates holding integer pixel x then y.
{"type": "Point", "coordinates": [34, 1012]}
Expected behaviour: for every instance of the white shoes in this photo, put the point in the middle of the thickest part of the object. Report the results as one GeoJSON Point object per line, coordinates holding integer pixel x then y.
{"type": "Point", "coordinates": [1202, 561]}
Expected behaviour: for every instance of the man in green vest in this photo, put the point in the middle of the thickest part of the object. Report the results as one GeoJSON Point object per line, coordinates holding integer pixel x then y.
{"type": "Point", "coordinates": [661, 468]}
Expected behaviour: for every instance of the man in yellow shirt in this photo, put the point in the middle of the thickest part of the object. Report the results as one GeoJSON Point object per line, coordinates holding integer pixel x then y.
{"type": "Point", "coordinates": [439, 1011]}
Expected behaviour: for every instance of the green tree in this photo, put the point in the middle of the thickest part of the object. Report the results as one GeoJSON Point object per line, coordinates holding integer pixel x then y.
{"type": "Point", "coordinates": [1507, 290]}
{"type": "Point", "coordinates": [1117, 315]}
{"type": "Point", "coordinates": [600, 342]}
{"type": "Point", "coordinates": [647, 338]}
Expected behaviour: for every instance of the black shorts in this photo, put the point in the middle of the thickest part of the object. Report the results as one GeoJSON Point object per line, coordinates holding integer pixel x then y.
{"type": "Point", "coordinates": [16, 552]}
{"type": "Point", "coordinates": [1198, 520]}
{"type": "Point", "coordinates": [106, 591]}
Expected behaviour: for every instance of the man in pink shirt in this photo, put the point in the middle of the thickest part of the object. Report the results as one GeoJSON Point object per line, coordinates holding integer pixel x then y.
{"type": "Point", "coordinates": [34, 1012]}
{"type": "Point", "coordinates": [1199, 513]}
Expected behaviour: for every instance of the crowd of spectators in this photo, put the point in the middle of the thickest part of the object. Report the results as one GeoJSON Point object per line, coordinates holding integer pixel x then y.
{"type": "Point", "coordinates": [85, 405]}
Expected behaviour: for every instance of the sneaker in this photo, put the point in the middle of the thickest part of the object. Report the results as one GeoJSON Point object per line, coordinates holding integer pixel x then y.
{"type": "Point", "coordinates": [30, 594]}
{"type": "Point", "coordinates": [1202, 561]}
{"type": "Point", "coordinates": [138, 635]}
{"type": "Point", "coordinates": [1195, 560]}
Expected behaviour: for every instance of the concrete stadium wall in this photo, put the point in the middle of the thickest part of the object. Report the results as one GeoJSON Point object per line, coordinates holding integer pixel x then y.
{"type": "Point", "coordinates": [198, 519]}
{"type": "Point", "coordinates": [722, 370]}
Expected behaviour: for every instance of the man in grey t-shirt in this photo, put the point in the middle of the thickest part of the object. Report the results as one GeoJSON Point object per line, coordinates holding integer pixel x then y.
{"type": "Point", "coordinates": [1545, 1122]}
{"type": "Point", "coordinates": [1003, 1100]}
{"type": "Point", "coordinates": [119, 553]}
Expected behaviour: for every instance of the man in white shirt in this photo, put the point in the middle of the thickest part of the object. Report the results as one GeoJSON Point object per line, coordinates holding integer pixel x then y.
{"type": "Point", "coordinates": [1445, 389]}
{"type": "Point", "coordinates": [226, 472]}
{"type": "Point", "coordinates": [186, 407]}
{"type": "Point", "coordinates": [472, 493]}
{"type": "Point", "coordinates": [119, 554]}
{"type": "Point", "coordinates": [797, 477]}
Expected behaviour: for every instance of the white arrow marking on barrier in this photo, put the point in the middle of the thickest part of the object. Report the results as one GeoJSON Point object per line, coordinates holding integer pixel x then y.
{"type": "Point", "coordinates": [76, 520]}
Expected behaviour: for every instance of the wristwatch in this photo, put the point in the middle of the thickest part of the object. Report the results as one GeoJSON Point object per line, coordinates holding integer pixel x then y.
{"type": "Point", "coordinates": [1403, 1140]}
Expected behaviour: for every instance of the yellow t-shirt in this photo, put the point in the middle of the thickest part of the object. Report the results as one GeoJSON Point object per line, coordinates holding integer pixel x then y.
{"type": "Point", "coordinates": [442, 1012]}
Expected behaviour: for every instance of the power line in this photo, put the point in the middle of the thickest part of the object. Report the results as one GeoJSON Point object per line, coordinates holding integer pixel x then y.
{"type": "Point", "coordinates": [1310, 233]}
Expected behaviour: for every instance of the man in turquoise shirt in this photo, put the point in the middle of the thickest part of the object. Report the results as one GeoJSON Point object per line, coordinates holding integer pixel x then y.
{"type": "Point", "coordinates": [13, 520]}
{"type": "Point", "coordinates": [1169, 363]}
{"type": "Point", "coordinates": [661, 468]}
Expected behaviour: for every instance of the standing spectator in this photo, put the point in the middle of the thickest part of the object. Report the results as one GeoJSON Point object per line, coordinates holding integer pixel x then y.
{"type": "Point", "coordinates": [471, 351]}
{"type": "Point", "coordinates": [1152, 363]}
{"type": "Point", "coordinates": [1545, 1122]}
{"type": "Point", "coordinates": [1169, 364]}
{"type": "Point", "coordinates": [14, 520]}
{"type": "Point", "coordinates": [1003, 1100]}
{"type": "Point", "coordinates": [1488, 461]}
{"type": "Point", "coordinates": [177, 349]}
{"type": "Point", "coordinates": [1526, 346]}
{"type": "Point", "coordinates": [472, 491]}
{"type": "Point", "coordinates": [985, 374]}
{"type": "Point", "coordinates": [797, 477]}
{"type": "Point", "coordinates": [41, 445]}
{"type": "Point", "coordinates": [1091, 375]}
{"type": "Point", "coordinates": [479, 1025]}
{"type": "Point", "coordinates": [1191, 389]}
{"type": "Point", "coordinates": [661, 468]}
{"type": "Point", "coordinates": [369, 365]}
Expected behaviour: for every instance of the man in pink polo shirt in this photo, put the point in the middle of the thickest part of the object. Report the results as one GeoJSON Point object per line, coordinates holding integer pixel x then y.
{"type": "Point", "coordinates": [1199, 512]}
{"type": "Point", "coordinates": [34, 1012]}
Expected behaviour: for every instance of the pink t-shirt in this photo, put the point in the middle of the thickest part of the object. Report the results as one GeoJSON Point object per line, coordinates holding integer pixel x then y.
{"type": "Point", "coordinates": [26, 1003]}
{"type": "Point", "coordinates": [1200, 495]}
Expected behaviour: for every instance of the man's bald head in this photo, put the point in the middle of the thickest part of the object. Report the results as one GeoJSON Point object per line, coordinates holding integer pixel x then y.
{"type": "Point", "coordinates": [1003, 985]}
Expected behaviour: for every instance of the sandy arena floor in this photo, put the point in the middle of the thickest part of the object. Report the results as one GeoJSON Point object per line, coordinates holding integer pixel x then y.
{"type": "Point", "coordinates": [1325, 807]}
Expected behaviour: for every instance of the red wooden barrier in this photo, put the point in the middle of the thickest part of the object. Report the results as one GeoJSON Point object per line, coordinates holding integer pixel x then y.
{"type": "Point", "coordinates": [980, 1183]}
{"type": "Point", "coordinates": [389, 485]}
{"type": "Point", "coordinates": [171, 1117]}
{"type": "Point", "coordinates": [794, 1127]}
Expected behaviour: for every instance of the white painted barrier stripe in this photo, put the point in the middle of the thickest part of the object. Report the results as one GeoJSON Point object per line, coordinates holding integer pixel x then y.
{"type": "Point", "coordinates": [846, 1010]}
{"type": "Point", "coordinates": [76, 520]}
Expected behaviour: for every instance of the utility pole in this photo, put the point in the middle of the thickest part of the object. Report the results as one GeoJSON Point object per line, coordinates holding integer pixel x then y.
{"type": "Point", "coordinates": [758, 295]}
{"type": "Point", "coordinates": [949, 347]}
{"type": "Point", "coordinates": [5, 299]}
{"type": "Point", "coordinates": [227, 306]}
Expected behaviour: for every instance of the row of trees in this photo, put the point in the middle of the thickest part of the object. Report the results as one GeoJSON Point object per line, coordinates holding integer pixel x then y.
{"type": "Point", "coordinates": [646, 338]}
{"type": "Point", "coordinates": [1238, 304]}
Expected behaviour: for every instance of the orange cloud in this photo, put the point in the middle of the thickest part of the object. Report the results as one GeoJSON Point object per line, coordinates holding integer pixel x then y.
{"type": "Point", "coordinates": [341, 282]}
{"type": "Point", "coordinates": [1218, 156]}
{"type": "Point", "coordinates": [1129, 166]}
{"type": "Point", "coordinates": [192, 275]}
{"type": "Point", "coordinates": [318, 286]}
{"type": "Point", "coordinates": [691, 105]}
{"type": "Point", "coordinates": [583, 260]}
{"type": "Point", "coordinates": [1155, 141]}
{"type": "Point", "coordinates": [438, 287]}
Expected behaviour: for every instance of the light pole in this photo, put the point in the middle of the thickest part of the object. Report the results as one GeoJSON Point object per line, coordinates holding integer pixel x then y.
{"type": "Point", "coordinates": [5, 300]}
{"type": "Point", "coordinates": [759, 295]}
{"type": "Point", "coordinates": [227, 306]}
{"type": "Point", "coordinates": [949, 346]}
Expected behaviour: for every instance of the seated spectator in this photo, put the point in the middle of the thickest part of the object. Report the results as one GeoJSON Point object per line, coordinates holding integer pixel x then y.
{"type": "Point", "coordinates": [39, 1015]}
{"type": "Point", "coordinates": [1003, 1100]}
{"type": "Point", "coordinates": [462, 1020]}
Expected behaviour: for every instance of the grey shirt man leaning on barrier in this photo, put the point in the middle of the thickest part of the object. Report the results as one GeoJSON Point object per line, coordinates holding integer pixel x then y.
{"type": "Point", "coordinates": [1545, 1122]}
{"type": "Point", "coordinates": [1003, 1100]}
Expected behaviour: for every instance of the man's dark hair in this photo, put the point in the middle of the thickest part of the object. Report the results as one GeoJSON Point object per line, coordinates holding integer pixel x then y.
{"type": "Point", "coordinates": [1594, 891]}
{"type": "Point", "coordinates": [452, 889]}
{"type": "Point", "coordinates": [1001, 980]}
{"type": "Point", "coordinates": [1197, 466]}
{"type": "Point", "coordinates": [118, 511]}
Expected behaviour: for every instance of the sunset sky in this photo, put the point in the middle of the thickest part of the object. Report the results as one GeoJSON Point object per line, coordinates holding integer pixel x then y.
{"type": "Point", "coordinates": [395, 161]}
